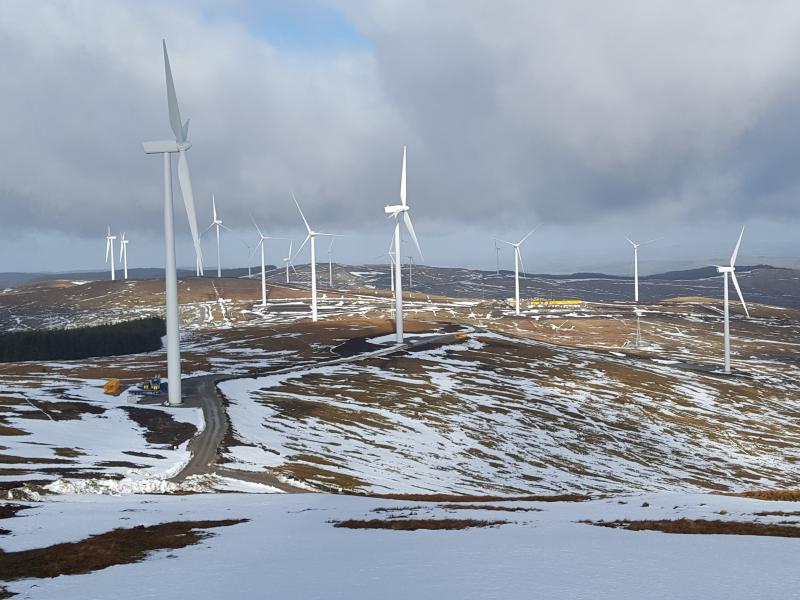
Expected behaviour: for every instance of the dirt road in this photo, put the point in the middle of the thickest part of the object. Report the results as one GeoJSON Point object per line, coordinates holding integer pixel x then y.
{"type": "Point", "coordinates": [201, 392]}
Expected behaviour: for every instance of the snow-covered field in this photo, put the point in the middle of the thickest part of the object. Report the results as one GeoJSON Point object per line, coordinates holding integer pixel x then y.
{"type": "Point", "coordinates": [505, 414]}
{"type": "Point", "coordinates": [290, 549]}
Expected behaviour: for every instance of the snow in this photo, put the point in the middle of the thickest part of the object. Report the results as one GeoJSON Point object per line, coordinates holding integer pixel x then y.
{"type": "Point", "coordinates": [289, 549]}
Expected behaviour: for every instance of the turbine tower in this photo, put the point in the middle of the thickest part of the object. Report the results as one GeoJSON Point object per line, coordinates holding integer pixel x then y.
{"type": "Point", "coordinates": [311, 236]}
{"type": "Point", "coordinates": [517, 263]}
{"type": "Point", "coordinates": [217, 222]}
{"type": "Point", "coordinates": [497, 256]}
{"type": "Point", "coordinates": [330, 263]}
{"type": "Point", "coordinates": [395, 211]}
{"type": "Point", "coordinates": [110, 250]}
{"type": "Point", "coordinates": [287, 261]}
{"type": "Point", "coordinates": [166, 147]}
{"type": "Point", "coordinates": [635, 269]}
{"type": "Point", "coordinates": [123, 255]}
{"type": "Point", "coordinates": [261, 239]}
{"type": "Point", "coordinates": [731, 270]}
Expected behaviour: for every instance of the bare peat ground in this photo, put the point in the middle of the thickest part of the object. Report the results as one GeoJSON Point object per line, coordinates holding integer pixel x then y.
{"type": "Point", "coordinates": [703, 527]}
{"type": "Point", "coordinates": [416, 524]}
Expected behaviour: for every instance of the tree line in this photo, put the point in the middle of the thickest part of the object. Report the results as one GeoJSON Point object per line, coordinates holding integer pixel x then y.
{"type": "Point", "coordinates": [108, 339]}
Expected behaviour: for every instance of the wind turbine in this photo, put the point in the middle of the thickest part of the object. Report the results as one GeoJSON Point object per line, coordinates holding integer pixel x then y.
{"type": "Point", "coordinates": [110, 250]}
{"type": "Point", "coordinates": [311, 236]}
{"type": "Point", "coordinates": [217, 222]}
{"type": "Point", "coordinates": [166, 147]}
{"type": "Point", "coordinates": [123, 255]}
{"type": "Point", "coordinates": [726, 270]}
{"type": "Point", "coordinates": [517, 263]}
{"type": "Point", "coordinates": [261, 239]}
{"type": "Point", "coordinates": [287, 261]}
{"type": "Point", "coordinates": [395, 211]}
{"type": "Point", "coordinates": [636, 265]}
{"type": "Point", "coordinates": [497, 254]}
{"type": "Point", "coordinates": [330, 263]}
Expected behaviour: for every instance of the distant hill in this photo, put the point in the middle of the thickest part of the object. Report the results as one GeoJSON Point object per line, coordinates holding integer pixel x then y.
{"type": "Point", "coordinates": [13, 279]}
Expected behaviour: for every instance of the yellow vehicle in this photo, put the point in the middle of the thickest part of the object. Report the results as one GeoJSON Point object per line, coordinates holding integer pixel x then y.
{"type": "Point", "coordinates": [112, 387]}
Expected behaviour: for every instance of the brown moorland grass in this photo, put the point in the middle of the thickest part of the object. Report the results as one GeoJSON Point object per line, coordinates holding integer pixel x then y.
{"type": "Point", "coordinates": [115, 547]}
{"type": "Point", "coordinates": [703, 526]}
{"type": "Point", "coordinates": [776, 495]}
{"type": "Point", "coordinates": [489, 507]}
{"type": "Point", "coordinates": [469, 498]}
{"type": "Point", "coordinates": [415, 524]}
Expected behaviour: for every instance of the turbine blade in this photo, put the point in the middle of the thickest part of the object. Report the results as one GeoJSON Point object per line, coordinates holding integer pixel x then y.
{"type": "Point", "coordinates": [410, 228]}
{"type": "Point", "coordinates": [632, 243]}
{"type": "Point", "coordinates": [172, 100]}
{"type": "Point", "coordinates": [403, 180]}
{"type": "Point", "coordinates": [505, 242]}
{"type": "Point", "coordinates": [301, 214]}
{"type": "Point", "coordinates": [226, 228]}
{"type": "Point", "coordinates": [214, 206]}
{"type": "Point", "coordinates": [300, 249]}
{"type": "Point", "coordinates": [108, 247]}
{"type": "Point", "coordinates": [739, 291]}
{"type": "Point", "coordinates": [521, 264]}
{"type": "Point", "coordinates": [205, 231]}
{"type": "Point", "coordinates": [258, 229]}
{"type": "Point", "coordinates": [529, 234]}
{"type": "Point", "coordinates": [736, 250]}
{"type": "Point", "coordinates": [185, 184]}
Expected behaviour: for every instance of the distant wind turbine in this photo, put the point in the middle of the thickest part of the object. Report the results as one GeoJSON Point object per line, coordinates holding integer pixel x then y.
{"type": "Point", "coordinates": [731, 270]}
{"type": "Point", "coordinates": [166, 147]}
{"type": "Point", "coordinates": [110, 250]}
{"type": "Point", "coordinates": [395, 211]}
{"type": "Point", "coordinates": [261, 239]}
{"type": "Point", "coordinates": [410, 279]}
{"type": "Point", "coordinates": [636, 265]}
{"type": "Point", "coordinates": [123, 255]}
{"type": "Point", "coordinates": [217, 222]}
{"type": "Point", "coordinates": [330, 262]}
{"type": "Point", "coordinates": [311, 236]}
{"type": "Point", "coordinates": [287, 261]}
{"type": "Point", "coordinates": [497, 255]}
{"type": "Point", "coordinates": [518, 263]}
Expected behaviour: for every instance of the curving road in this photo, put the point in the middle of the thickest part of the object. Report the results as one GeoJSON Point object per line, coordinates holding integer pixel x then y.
{"type": "Point", "coordinates": [201, 392]}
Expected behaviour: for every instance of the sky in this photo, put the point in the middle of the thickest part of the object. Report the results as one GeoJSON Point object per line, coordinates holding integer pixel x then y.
{"type": "Point", "coordinates": [678, 122]}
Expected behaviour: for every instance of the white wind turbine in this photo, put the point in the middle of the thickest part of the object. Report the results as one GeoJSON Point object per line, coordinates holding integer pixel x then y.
{"type": "Point", "coordinates": [330, 263]}
{"type": "Point", "coordinates": [261, 239]}
{"type": "Point", "coordinates": [731, 270]}
{"type": "Point", "coordinates": [287, 261]}
{"type": "Point", "coordinates": [166, 147]}
{"type": "Point", "coordinates": [517, 263]}
{"type": "Point", "coordinates": [123, 255]}
{"type": "Point", "coordinates": [395, 211]}
{"type": "Point", "coordinates": [497, 255]}
{"type": "Point", "coordinates": [217, 222]}
{"type": "Point", "coordinates": [311, 236]}
{"type": "Point", "coordinates": [636, 265]}
{"type": "Point", "coordinates": [110, 250]}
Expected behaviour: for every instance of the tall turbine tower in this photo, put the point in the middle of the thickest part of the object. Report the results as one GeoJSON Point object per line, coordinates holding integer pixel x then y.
{"type": "Point", "coordinates": [395, 211]}
{"type": "Point", "coordinates": [497, 255]}
{"type": "Point", "coordinates": [110, 250]}
{"type": "Point", "coordinates": [731, 270]}
{"type": "Point", "coordinates": [517, 264]}
{"type": "Point", "coordinates": [217, 222]}
{"type": "Point", "coordinates": [123, 255]}
{"type": "Point", "coordinates": [166, 147]}
{"type": "Point", "coordinates": [311, 236]}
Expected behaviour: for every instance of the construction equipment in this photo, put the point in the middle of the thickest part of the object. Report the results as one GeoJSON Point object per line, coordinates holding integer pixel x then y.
{"type": "Point", "coordinates": [150, 387]}
{"type": "Point", "coordinates": [112, 387]}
